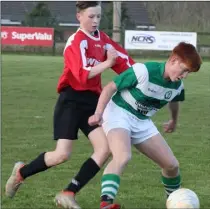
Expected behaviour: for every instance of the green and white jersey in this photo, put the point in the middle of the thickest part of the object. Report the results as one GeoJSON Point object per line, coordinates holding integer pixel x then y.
{"type": "Point", "coordinates": [142, 90]}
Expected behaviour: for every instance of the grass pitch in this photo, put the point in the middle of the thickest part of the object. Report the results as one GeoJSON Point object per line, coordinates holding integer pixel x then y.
{"type": "Point", "coordinates": [28, 99]}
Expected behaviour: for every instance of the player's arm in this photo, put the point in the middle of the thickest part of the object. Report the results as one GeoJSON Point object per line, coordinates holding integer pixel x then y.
{"type": "Point", "coordinates": [174, 110]}
{"type": "Point", "coordinates": [123, 61]}
{"type": "Point", "coordinates": [170, 126]}
{"type": "Point", "coordinates": [106, 95]}
{"type": "Point", "coordinates": [174, 104]}
{"type": "Point", "coordinates": [98, 69]}
{"type": "Point", "coordinates": [126, 80]}
{"type": "Point", "coordinates": [76, 60]}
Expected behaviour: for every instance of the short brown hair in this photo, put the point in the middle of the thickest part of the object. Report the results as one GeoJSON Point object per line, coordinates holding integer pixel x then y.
{"type": "Point", "coordinates": [189, 55]}
{"type": "Point", "coordinates": [82, 5]}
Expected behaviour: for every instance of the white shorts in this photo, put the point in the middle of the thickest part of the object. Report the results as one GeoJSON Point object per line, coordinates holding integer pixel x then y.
{"type": "Point", "coordinates": [117, 117]}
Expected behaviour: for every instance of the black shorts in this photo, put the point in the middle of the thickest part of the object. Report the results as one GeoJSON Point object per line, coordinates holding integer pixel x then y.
{"type": "Point", "coordinates": [72, 110]}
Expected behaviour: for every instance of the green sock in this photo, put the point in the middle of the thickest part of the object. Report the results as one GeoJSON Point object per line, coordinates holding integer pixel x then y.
{"type": "Point", "coordinates": [171, 184]}
{"type": "Point", "coordinates": [109, 186]}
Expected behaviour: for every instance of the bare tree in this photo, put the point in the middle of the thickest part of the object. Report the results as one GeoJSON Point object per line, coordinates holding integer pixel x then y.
{"type": "Point", "coordinates": [186, 16]}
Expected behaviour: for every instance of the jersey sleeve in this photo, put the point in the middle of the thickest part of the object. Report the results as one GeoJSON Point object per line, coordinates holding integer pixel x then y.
{"type": "Point", "coordinates": [180, 97]}
{"type": "Point", "coordinates": [137, 74]}
{"type": "Point", "coordinates": [75, 59]}
{"type": "Point", "coordinates": [124, 61]}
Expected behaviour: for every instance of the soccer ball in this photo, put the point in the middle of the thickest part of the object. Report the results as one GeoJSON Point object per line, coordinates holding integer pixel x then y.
{"type": "Point", "coordinates": [183, 199]}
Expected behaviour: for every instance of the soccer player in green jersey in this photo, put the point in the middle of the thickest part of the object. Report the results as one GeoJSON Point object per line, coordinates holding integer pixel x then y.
{"type": "Point", "coordinates": [128, 102]}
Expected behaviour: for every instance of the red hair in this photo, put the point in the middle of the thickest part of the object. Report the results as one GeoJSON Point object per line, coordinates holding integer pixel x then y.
{"type": "Point", "coordinates": [188, 55]}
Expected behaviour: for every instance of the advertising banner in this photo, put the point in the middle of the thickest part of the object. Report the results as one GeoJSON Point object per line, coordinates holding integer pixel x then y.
{"type": "Point", "coordinates": [157, 40]}
{"type": "Point", "coordinates": [27, 36]}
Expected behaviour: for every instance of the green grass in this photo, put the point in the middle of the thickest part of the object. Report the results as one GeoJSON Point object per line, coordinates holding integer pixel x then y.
{"type": "Point", "coordinates": [29, 90]}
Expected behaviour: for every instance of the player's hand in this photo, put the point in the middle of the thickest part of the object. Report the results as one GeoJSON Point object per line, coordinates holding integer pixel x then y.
{"type": "Point", "coordinates": [112, 55]}
{"type": "Point", "coordinates": [169, 126]}
{"type": "Point", "coordinates": [95, 119]}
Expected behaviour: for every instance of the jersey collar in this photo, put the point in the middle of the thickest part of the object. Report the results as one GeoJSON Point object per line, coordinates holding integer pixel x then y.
{"type": "Point", "coordinates": [162, 70]}
{"type": "Point", "coordinates": [90, 36]}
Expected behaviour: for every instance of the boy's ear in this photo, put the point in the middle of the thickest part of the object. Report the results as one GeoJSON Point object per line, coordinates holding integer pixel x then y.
{"type": "Point", "coordinates": [173, 59]}
{"type": "Point", "coordinates": [78, 15]}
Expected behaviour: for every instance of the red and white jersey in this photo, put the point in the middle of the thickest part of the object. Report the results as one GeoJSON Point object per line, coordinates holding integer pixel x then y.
{"type": "Point", "coordinates": [83, 51]}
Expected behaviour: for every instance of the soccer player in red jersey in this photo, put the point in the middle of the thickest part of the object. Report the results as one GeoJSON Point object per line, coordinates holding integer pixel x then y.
{"type": "Point", "coordinates": [87, 53]}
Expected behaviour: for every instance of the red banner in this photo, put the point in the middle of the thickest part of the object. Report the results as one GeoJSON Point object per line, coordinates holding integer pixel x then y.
{"type": "Point", "coordinates": [28, 36]}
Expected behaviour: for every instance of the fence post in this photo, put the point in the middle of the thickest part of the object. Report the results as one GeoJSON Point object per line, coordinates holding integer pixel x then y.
{"type": "Point", "coordinates": [53, 47]}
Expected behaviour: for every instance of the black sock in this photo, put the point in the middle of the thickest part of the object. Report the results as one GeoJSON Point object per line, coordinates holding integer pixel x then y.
{"type": "Point", "coordinates": [36, 166]}
{"type": "Point", "coordinates": [106, 198]}
{"type": "Point", "coordinates": [88, 170]}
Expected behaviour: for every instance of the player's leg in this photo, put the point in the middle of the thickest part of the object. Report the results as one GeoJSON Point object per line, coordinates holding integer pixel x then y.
{"type": "Point", "coordinates": [92, 165]}
{"type": "Point", "coordinates": [88, 170]}
{"type": "Point", "coordinates": [65, 130]}
{"type": "Point", "coordinates": [153, 145]}
{"type": "Point", "coordinates": [120, 146]}
{"type": "Point", "coordinates": [117, 129]}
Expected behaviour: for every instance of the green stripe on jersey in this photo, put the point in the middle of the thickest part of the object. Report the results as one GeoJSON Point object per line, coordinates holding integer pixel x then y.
{"type": "Point", "coordinates": [142, 89]}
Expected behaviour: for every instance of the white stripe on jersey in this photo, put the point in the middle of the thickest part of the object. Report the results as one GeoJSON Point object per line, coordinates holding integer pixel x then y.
{"type": "Point", "coordinates": [124, 56]}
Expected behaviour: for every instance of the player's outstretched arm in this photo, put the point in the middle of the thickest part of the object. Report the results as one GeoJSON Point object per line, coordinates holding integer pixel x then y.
{"type": "Point", "coordinates": [104, 98]}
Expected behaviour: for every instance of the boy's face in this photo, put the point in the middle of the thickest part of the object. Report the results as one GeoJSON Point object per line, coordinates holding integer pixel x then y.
{"type": "Point", "coordinates": [178, 70]}
{"type": "Point", "coordinates": [90, 18]}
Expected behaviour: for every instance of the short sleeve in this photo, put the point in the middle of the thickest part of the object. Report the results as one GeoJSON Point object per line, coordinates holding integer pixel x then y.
{"type": "Point", "coordinates": [131, 77]}
{"type": "Point", "coordinates": [180, 97]}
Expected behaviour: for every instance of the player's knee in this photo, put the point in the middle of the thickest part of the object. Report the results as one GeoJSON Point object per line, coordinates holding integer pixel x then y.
{"type": "Point", "coordinates": [105, 153]}
{"type": "Point", "coordinates": [61, 157]}
{"type": "Point", "coordinates": [122, 160]}
{"type": "Point", "coordinates": [101, 155]}
{"type": "Point", "coordinates": [172, 166]}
